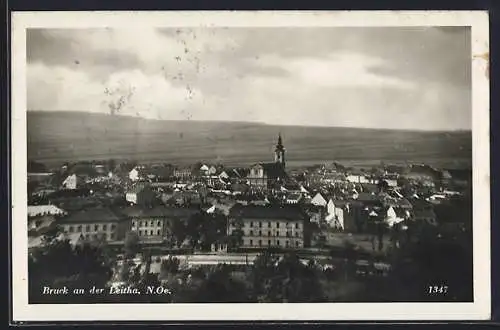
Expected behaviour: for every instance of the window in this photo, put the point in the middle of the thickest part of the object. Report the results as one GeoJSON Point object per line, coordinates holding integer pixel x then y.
{"type": "Point", "coordinates": [278, 242]}
{"type": "Point", "coordinates": [260, 224]}
{"type": "Point", "coordinates": [79, 229]}
{"type": "Point", "coordinates": [94, 236]}
{"type": "Point", "coordinates": [260, 242]}
{"type": "Point", "coordinates": [269, 224]}
{"type": "Point", "coordinates": [260, 232]}
{"type": "Point", "coordinates": [158, 223]}
{"type": "Point", "coordinates": [269, 233]}
{"type": "Point", "coordinates": [297, 243]}
{"type": "Point", "coordinates": [96, 227]}
{"type": "Point", "coordinates": [151, 223]}
{"type": "Point", "coordinates": [112, 236]}
{"type": "Point", "coordinates": [251, 242]}
{"type": "Point", "coordinates": [104, 227]}
{"type": "Point", "coordinates": [70, 229]}
{"type": "Point", "coordinates": [105, 236]}
{"type": "Point", "coordinates": [296, 234]}
{"type": "Point", "coordinates": [296, 226]}
{"type": "Point", "coordinates": [87, 228]}
{"type": "Point", "coordinates": [277, 224]}
{"type": "Point", "coordinates": [287, 234]}
{"type": "Point", "coordinates": [251, 224]}
{"type": "Point", "coordinates": [251, 232]}
{"type": "Point", "coordinates": [287, 243]}
{"type": "Point", "coordinates": [142, 223]}
{"type": "Point", "coordinates": [134, 223]}
{"type": "Point", "coordinates": [269, 242]}
{"type": "Point", "coordinates": [158, 232]}
{"type": "Point", "coordinates": [151, 232]}
{"type": "Point", "coordinates": [140, 232]}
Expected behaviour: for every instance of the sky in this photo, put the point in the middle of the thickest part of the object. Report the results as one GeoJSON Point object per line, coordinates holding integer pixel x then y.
{"type": "Point", "coordinates": [385, 77]}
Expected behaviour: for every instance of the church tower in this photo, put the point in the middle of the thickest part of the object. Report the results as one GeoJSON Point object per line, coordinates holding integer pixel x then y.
{"type": "Point", "coordinates": [279, 152]}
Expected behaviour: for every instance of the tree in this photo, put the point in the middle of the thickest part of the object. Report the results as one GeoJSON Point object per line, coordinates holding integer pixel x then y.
{"type": "Point", "coordinates": [57, 263]}
{"type": "Point", "coordinates": [284, 279]}
{"type": "Point", "coordinates": [220, 286]}
{"type": "Point", "coordinates": [131, 245]}
{"type": "Point", "coordinates": [169, 266]}
{"type": "Point", "coordinates": [177, 233]}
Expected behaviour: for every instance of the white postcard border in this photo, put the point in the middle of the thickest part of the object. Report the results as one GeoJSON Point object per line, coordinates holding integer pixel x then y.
{"type": "Point", "coordinates": [479, 310]}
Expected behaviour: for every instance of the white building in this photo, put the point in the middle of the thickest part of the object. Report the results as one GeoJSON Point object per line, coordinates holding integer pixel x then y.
{"type": "Point", "coordinates": [134, 174]}
{"type": "Point", "coordinates": [318, 200]}
{"type": "Point", "coordinates": [335, 215]}
{"type": "Point", "coordinates": [356, 178]}
{"type": "Point", "coordinates": [71, 182]}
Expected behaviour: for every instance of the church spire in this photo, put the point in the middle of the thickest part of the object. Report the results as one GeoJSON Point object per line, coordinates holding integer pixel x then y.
{"type": "Point", "coordinates": [279, 152]}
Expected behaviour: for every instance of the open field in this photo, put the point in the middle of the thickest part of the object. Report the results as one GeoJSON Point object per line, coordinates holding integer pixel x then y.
{"type": "Point", "coordinates": [55, 137]}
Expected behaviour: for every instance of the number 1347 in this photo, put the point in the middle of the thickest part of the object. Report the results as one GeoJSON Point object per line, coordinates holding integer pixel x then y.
{"type": "Point", "coordinates": [437, 289]}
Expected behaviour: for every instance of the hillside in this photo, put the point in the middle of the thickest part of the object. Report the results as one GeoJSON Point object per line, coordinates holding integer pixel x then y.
{"type": "Point", "coordinates": [67, 136]}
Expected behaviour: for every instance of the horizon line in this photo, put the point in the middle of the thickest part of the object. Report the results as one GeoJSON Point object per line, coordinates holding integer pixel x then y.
{"type": "Point", "coordinates": [457, 130]}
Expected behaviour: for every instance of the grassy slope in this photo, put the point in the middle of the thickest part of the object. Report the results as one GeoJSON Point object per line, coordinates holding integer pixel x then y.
{"type": "Point", "coordinates": [61, 136]}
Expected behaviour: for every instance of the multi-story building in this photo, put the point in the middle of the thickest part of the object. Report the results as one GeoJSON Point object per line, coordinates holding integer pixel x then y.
{"type": "Point", "coordinates": [268, 226]}
{"type": "Point", "coordinates": [154, 224]}
{"type": "Point", "coordinates": [95, 223]}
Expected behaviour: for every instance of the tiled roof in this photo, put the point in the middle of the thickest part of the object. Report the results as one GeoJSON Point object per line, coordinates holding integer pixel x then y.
{"type": "Point", "coordinates": [98, 214]}
{"type": "Point", "coordinates": [37, 210]}
{"type": "Point", "coordinates": [158, 211]}
{"type": "Point", "coordinates": [267, 212]}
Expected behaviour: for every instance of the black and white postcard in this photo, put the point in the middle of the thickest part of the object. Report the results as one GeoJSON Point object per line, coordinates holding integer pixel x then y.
{"type": "Point", "coordinates": [250, 166]}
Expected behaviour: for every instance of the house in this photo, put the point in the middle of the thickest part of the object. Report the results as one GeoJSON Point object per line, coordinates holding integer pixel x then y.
{"type": "Point", "coordinates": [141, 194]}
{"type": "Point", "coordinates": [358, 178]}
{"type": "Point", "coordinates": [335, 213]}
{"type": "Point", "coordinates": [268, 226]}
{"type": "Point", "coordinates": [95, 223]}
{"type": "Point", "coordinates": [71, 182]}
{"type": "Point", "coordinates": [134, 174]}
{"type": "Point", "coordinates": [318, 200]}
{"type": "Point", "coordinates": [204, 170]}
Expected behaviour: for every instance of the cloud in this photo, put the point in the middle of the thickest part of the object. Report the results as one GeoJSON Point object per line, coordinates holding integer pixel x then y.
{"type": "Point", "coordinates": [412, 78]}
{"type": "Point", "coordinates": [340, 69]}
{"type": "Point", "coordinates": [125, 92]}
